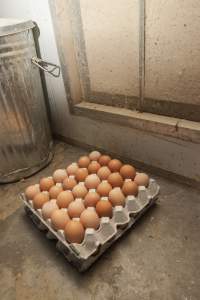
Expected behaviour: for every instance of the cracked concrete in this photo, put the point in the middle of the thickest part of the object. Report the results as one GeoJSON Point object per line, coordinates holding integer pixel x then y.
{"type": "Point", "coordinates": [158, 259]}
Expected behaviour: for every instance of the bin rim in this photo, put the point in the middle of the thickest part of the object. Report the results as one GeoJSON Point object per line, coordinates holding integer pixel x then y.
{"type": "Point", "coordinates": [11, 26]}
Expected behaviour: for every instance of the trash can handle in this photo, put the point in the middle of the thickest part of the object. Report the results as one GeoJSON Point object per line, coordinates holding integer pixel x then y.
{"type": "Point", "coordinates": [54, 70]}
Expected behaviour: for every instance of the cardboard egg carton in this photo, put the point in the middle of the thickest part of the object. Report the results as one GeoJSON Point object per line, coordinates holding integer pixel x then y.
{"type": "Point", "coordinates": [95, 242]}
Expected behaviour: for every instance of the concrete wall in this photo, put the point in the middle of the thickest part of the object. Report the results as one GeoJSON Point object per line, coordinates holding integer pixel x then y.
{"type": "Point", "coordinates": [108, 50]}
{"type": "Point", "coordinates": [160, 151]}
{"type": "Point", "coordinates": [111, 32]}
{"type": "Point", "coordinates": [173, 50]}
{"type": "Point", "coordinates": [174, 155]}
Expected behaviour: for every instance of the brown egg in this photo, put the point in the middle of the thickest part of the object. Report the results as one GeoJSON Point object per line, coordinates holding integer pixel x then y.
{"type": "Point", "coordinates": [116, 197]}
{"type": "Point", "coordinates": [142, 179]}
{"type": "Point", "coordinates": [103, 173]}
{"type": "Point", "coordinates": [89, 218]}
{"type": "Point", "coordinates": [115, 179]}
{"type": "Point", "coordinates": [31, 191]}
{"type": "Point", "coordinates": [130, 188]}
{"type": "Point", "coordinates": [71, 169]}
{"type": "Point", "coordinates": [93, 167]}
{"type": "Point", "coordinates": [74, 232]}
{"type": "Point", "coordinates": [92, 181]}
{"type": "Point", "coordinates": [83, 162]}
{"type": "Point", "coordinates": [104, 208]}
{"type": "Point", "coordinates": [79, 191]}
{"type": "Point", "coordinates": [40, 199]}
{"type": "Point", "coordinates": [104, 188]}
{"type": "Point", "coordinates": [94, 155]}
{"type": "Point", "coordinates": [59, 219]}
{"type": "Point", "coordinates": [75, 208]}
{"type": "Point", "coordinates": [55, 190]}
{"type": "Point", "coordinates": [91, 198]}
{"type": "Point", "coordinates": [59, 175]}
{"type": "Point", "coordinates": [115, 165]}
{"type": "Point", "coordinates": [128, 171]}
{"type": "Point", "coordinates": [69, 183]}
{"type": "Point", "coordinates": [104, 160]}
{"type": "Point", "coordinates": [46, 183]}
{"type": "Point", "coordinates": [48, 208]}
{"type": "Point", "coordinates": [64, 199]}
{"type": "Point", "coordinates": [81, 174]}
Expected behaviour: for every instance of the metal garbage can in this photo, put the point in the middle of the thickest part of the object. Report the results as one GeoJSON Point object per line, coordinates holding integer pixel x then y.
{"type": "Point", "coordinates": [25, 138]}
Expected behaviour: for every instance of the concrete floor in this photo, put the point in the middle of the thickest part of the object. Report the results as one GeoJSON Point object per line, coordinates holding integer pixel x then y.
{"type": "Point", "coordinates": [158, 259]}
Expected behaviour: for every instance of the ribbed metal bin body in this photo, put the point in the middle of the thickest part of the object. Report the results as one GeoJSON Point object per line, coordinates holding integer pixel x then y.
{"type": "Point", "coordinates": [25, 139]}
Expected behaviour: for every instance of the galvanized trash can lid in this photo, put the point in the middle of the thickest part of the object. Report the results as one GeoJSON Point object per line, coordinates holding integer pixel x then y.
{"type": "Point", "coordinates": [11, 26]}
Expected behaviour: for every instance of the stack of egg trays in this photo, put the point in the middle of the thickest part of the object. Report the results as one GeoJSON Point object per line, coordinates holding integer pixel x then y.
{"type": "Point", "coordinates": [83, 255]}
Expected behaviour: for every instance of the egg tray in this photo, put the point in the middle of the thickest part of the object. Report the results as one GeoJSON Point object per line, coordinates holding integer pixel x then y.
{"type": "Point", "coordinates": [95, 242]}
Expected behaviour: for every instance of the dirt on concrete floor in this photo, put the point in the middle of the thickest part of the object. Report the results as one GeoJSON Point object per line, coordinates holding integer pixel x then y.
{"type": "Point", "coordinates": [158, 259]}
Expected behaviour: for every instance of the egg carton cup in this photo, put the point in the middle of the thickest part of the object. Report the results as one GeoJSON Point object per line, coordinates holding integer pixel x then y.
{"type": "Point", "coordinates": [95, 242]}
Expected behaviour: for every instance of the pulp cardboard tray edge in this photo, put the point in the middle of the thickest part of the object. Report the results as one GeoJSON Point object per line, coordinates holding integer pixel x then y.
{"type": "Point", "coordinates": [82, 256]}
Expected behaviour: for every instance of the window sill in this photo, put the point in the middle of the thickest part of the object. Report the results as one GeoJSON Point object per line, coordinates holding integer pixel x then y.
{"type": "Point", "coordinates": [168, 126]}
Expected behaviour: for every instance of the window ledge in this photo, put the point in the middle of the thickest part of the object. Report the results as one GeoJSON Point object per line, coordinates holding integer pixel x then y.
{"type": "Point", "coordinates": [168, 126]}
